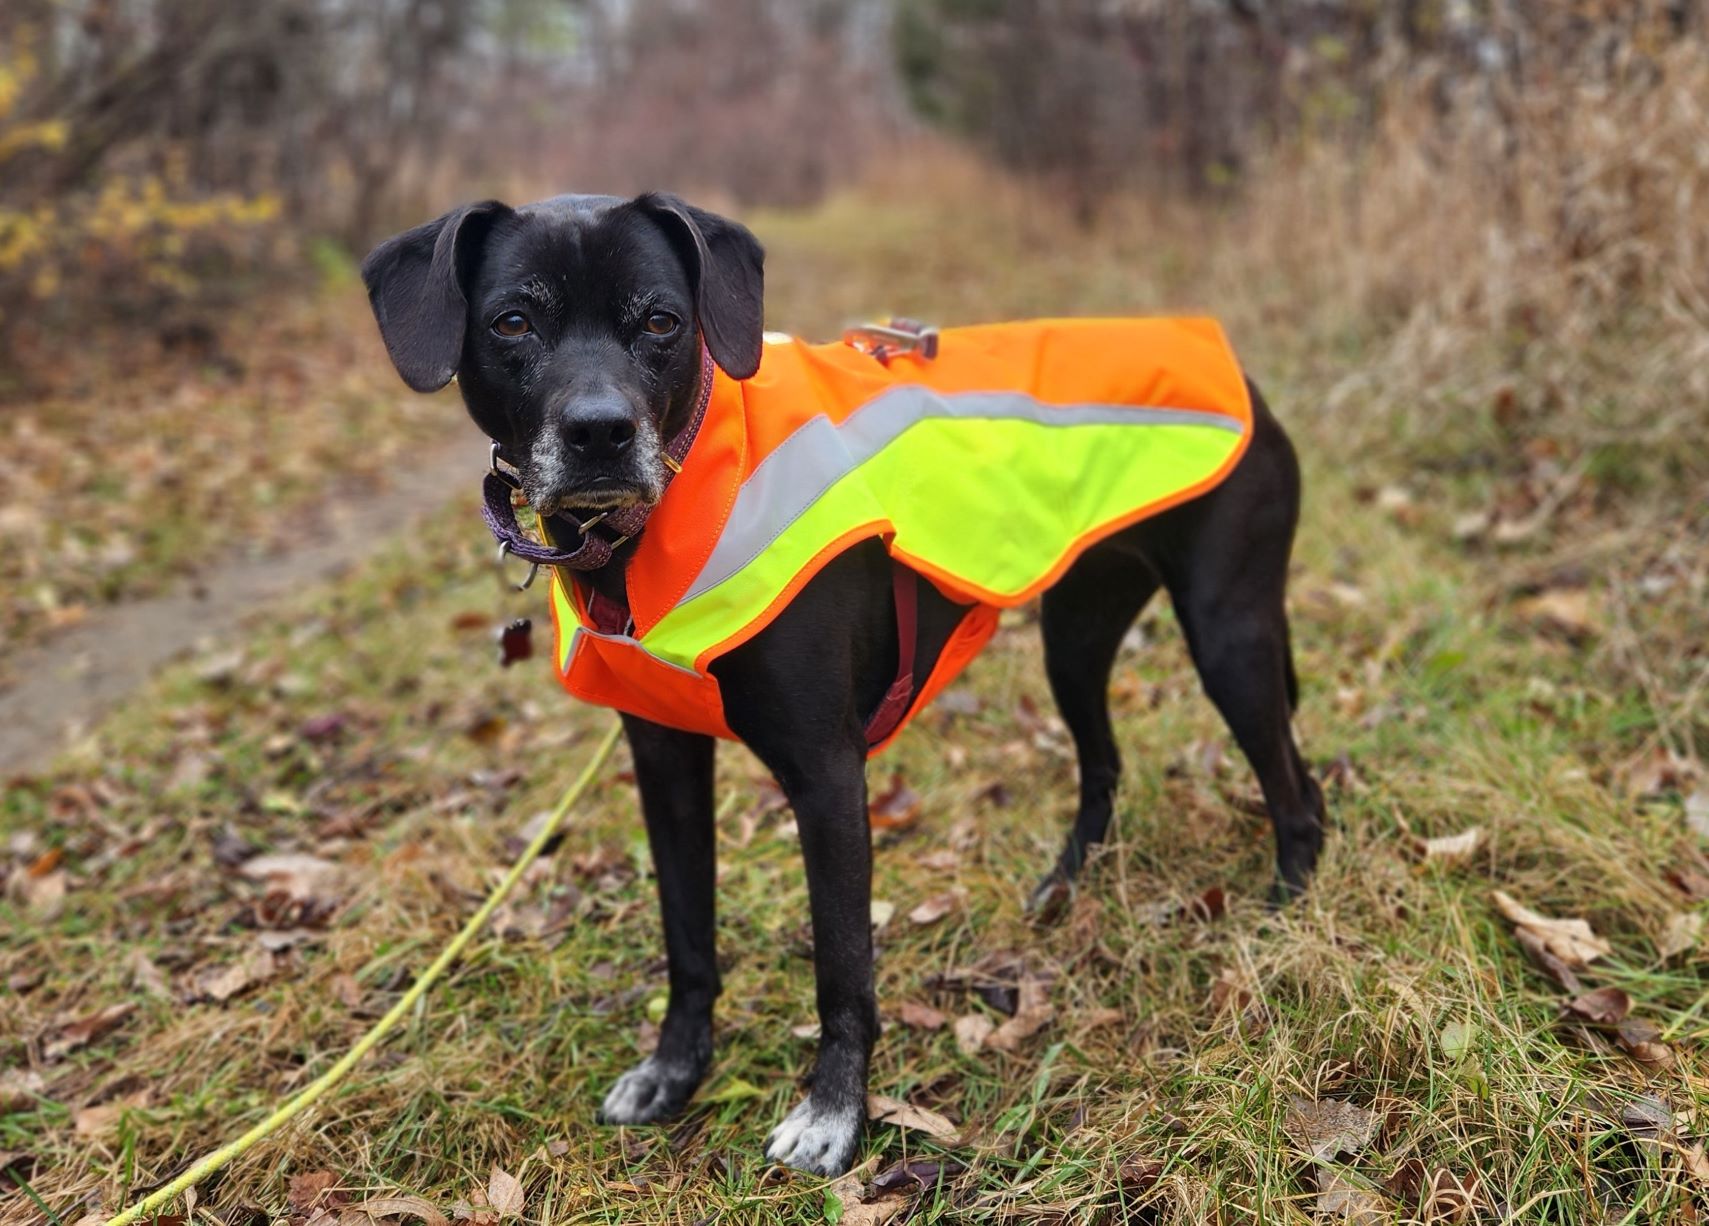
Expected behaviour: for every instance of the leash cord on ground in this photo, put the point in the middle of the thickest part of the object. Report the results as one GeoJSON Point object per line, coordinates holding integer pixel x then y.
{"type": "Point", "coordinates": [307, 1096]}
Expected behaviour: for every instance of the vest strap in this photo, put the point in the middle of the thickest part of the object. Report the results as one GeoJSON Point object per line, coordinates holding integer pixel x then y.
{"type": "Point", "coordinates": [905, 586]}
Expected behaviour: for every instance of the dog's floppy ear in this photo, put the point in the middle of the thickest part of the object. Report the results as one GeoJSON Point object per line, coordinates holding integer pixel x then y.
{"type": "Point", "coordinates": [415, 284]}
{"type": "Point", "coordinates": [726, 265]}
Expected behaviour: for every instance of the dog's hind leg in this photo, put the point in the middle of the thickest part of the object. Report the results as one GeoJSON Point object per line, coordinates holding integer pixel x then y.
{"type": "Point", "coordinates": [1231, 605]}
{"type": "Point", "coordinates": [1084, 618]}
{"type": "Point", "coordinates": [1243, 664]}
{"type": "Point", "coordinates": [674, 771]}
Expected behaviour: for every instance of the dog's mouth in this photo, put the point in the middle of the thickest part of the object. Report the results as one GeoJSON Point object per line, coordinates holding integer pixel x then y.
{"type": "Point", "coordinates": [557, 482]}
{"type": "Point", "coordinates": [595, 494]}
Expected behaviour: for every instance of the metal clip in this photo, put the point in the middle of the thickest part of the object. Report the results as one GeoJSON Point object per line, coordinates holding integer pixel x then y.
{"type": "Point", "coordinates": [533, 567]}
{"type": "Point", "coordinates": [884, 341]}
{"type": "Point", "coordinates": [584, 526]}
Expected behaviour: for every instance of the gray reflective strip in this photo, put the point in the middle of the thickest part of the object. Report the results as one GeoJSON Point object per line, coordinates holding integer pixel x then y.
{"type": "Point", "coordinates": [819, 454]}
{"type": "Point", "coordinates": [580, 630]}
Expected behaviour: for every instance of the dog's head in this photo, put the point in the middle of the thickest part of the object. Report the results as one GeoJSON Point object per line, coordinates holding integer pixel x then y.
{"type": "Point", "coordinates": [574, 328]}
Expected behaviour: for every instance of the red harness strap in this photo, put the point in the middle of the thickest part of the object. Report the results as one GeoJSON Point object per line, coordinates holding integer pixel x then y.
{"type": "Point", "coordinates": [904, 584]}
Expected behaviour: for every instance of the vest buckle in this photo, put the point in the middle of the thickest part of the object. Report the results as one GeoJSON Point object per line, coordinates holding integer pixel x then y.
{"type": "Point", "coordinates": [895, 335]}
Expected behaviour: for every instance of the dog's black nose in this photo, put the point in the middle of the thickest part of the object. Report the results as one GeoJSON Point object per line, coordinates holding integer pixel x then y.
{"type": "Point", "coordinates": [599, 431]}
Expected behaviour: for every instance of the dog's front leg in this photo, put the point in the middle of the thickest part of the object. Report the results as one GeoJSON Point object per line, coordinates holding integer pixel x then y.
{"type": "Point", "coordinates": [674, 772]}
{"type": "Point", "coordinates": [826, 786]}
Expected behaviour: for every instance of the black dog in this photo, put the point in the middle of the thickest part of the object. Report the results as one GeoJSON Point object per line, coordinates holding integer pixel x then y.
{"type": "Point", "coordinates": [574, 329]}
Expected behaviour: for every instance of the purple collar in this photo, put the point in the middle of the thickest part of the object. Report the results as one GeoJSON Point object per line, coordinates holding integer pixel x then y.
{"type": "Point", "coordinates": [601, 532]}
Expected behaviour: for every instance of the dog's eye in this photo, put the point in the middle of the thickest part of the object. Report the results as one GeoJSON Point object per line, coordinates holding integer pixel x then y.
{"type": "Point", "coordinates": [512, 323]}
{"type": "Point", "coordinates": [661, 323]}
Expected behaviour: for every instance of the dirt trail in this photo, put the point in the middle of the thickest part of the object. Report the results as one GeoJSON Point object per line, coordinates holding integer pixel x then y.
{"type": "Point", "coordinates": [64, 685]}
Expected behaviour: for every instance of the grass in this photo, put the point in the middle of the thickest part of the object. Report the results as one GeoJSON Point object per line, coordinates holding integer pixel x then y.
{"type": "Point", "coordinates": [137, 464]}
{"type": "Point", "coordinates": [367, 724]}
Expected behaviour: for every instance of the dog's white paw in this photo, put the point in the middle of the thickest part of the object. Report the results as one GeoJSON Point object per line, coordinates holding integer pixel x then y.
{"type": "Point", "coordinates": [814, 1139]}
{"type": "Point", "coordinates": [649, 1091]}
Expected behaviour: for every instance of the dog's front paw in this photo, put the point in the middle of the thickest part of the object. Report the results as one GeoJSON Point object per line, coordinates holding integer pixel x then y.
{"type": "Point", "coordinates": [650, 1091]}
{"type": "Point", "coordinates": [817, 1139]}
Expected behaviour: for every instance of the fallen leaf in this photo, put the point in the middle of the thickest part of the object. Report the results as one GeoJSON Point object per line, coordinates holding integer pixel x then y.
{"type": "Point", "coordinates": [231, 849]}
{"type": "Point", "coordinates": [1697, 812]}
{"type": "Point", "coordinates": [402, 1206]}
{"type": "Point", "coordinates": [504, 1193]}
{"type": "Point", "coordinates": [894, 1111]}
{"type": "Point", "coordinates": [311, 1190]}
{"type": "Point", "coordinates": [1211, 905]}
{"type": "Point", "coordinates": [1567, 612]}
{"type": "Point", "coordinates": [916, 1174]}
{"type": "Point", "coordinates": [1094, 1018]}
{"type": "Point", "coordinates": [1660, 771]}
{"type": "Point", "coordinates": [98, 1121]}
{"type": "Point", "coordinates": [1604, 1006]}
{"type": "Point", "coordinates": [970, 1032]}
{"type": "Point", "coordinates": [19, 1089]}
{"type": "Point", "coordinates": [935, 908]}
{"type": "Point", "coordinates": [1139, 1175]}
{"type": "Point", "coordinates": [1457, 1039]}
{"type": "Point", "coordinates": [1696, 1162]}
{"type": "Point", "coordinates": [473, 1209]}
{"type": "Point", "coordinates": [1471, 525]}
{"type": "Point", "coordinates": [348, 989]}
{"type": "Point", "coordinates": [1680, 933]}
{"type": "Point", "coordinates": [921, 1017]}
{"type": "Point", "coordinates": [298, 874]}
{"type": "Point", "coordinates": [322, 729]}
{"type": "Point", "coordinates": [1452, 1199]}
{"type": "Point", "coordinates": [1559, 946]}
{"type": "Point", "coordinates": [80, 1033]}
{"type": "Point", "coordinates": [1641, 1040]}
{"type": "Point", "coordinates": [1339, 1200]}
{"type": "Point", "coordinates": [897, 807]}
{"type": "Point", "coordinates": [1032, 1014]}
{"type": "Point", "coordinates": [995, 979]}
{"type": "Point", "coordinates": [149, 977]}
{"type": "Point", "coordinates": [222, 982]}
{"type": "Point", "coordinates": [846, 1203]}
{"type": "Point", "coordinates": [1229, 992]}
{"type": "Point", "coordinates": [1453, 848]}
{"type": "Point", "coordinates": [44, 895]}
{"type": "Point", "coordinates": [882, 912]}
{"type": "Point", "coordinates": [1329, 1127]}
{"type": "Point", "coordinates": [1647, 1116]}
{"type": "Point", "coordinates": [1406, 1181]}
{"type": "Point", "coordinates": [1690, 880]}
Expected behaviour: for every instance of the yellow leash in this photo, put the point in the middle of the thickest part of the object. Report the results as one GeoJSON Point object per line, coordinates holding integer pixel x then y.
{"type": "Point", "coordinates": [307, 1096]}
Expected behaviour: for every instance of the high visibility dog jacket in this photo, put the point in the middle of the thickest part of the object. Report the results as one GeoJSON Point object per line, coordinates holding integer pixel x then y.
{"type": "Point", "coordinates": [987, 469]}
